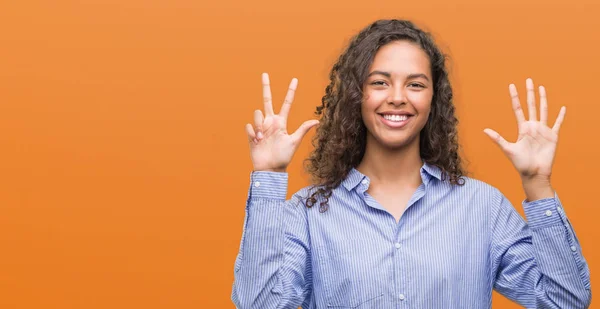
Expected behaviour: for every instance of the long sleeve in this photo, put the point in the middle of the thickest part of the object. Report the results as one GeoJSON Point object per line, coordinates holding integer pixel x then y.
{"type": "Point", "coordinates": [538, 264]}
{"type": "Point", "coordinates": [272, 268]}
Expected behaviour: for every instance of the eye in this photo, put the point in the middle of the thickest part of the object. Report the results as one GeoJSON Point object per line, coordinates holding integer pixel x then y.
{"type": "Point", "coordinates": [416, 85]}
{"type": "Point", "coordinates": [379, 83]}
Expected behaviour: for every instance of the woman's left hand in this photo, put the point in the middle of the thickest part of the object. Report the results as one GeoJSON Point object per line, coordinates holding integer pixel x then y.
{"type": "Point", "coordinates": [533, 152]}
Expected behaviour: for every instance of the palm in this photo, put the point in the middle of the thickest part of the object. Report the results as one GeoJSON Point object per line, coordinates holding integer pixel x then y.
{"type": "Point", "coordinates": [533, 152]}
{"type": "Point", "coordinates": [276, 147]}
{"type": "Point", "coordinates": [271, 147]}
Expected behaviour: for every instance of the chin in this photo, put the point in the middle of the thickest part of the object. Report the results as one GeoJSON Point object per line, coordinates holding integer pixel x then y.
{"type": "Point", "coordinates": [392, 140]}
{"type": "Point", "coordinates": [395, 143]}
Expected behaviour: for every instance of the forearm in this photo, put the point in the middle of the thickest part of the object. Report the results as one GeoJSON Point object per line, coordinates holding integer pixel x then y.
{"type": "Point", "coordinates": [260, 254]}
{"type": "Point", "coordinates": [258, 282]}
{"type": "Point", "coordinates": [563, 270]}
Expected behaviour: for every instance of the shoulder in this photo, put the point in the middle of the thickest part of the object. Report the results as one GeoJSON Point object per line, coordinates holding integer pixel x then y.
{"type": "Point", "coordinates": [477, 185]}
{"type": "Point", "coordinates": [311, 197]}
{"type": "Point", "coordinates": [311, 191]}
{"type": "Point", "coordinates": [476, 189]}
{"type": "Point", "coordinates": [301, 197]}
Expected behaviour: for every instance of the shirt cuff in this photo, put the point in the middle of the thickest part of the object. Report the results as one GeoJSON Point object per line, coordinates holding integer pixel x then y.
{"type": "Point", "coordinates": [271, 185]}
{"type": "Point", "coordinates": [544, 212]}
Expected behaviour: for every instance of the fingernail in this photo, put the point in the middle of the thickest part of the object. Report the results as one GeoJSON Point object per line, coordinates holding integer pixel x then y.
{"type": "Point", "coordinates": [259, 135]}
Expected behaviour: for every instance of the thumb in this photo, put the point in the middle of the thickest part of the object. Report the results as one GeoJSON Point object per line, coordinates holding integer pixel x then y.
{"type": "Point", "coordinates": [303, 129]}
{"type": "Point", "coordinates": [497, 138]}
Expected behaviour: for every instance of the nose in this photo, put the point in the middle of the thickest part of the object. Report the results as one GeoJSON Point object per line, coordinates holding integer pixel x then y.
{"type": "Point", "coordinates": [397, 95]}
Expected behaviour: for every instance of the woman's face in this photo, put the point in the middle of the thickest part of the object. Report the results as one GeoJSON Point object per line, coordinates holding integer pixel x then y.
{"type": "Point", "coordinates": [397, 95]}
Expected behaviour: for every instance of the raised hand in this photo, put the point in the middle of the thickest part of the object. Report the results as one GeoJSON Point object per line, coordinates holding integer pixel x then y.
{"type": "Point", "coordinates": [271, 147]}
{"type": "Point", "coordinates": [533, 152]}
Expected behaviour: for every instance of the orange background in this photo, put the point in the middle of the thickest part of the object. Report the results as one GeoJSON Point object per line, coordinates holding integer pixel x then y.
{"type": "Point", "coordinates": [123, 159]}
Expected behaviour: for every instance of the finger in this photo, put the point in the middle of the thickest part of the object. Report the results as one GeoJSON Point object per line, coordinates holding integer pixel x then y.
{"type": "Point", "coordinates": [258, 123]}
{"type": "Point", "coordinates": [559, 119]}
{"type": "Point", "coordinates": [531, 100]}
{"type": "Point", "coordinates": [289, 98]}
{"type": "Point", "coordinates": [303, 129]}
{"type": "Point", "coordinates": [543, 106]}
{"type": "Point", "coordinates": [267, 99]}
{"type": "Point", "coordinates": [516, 104]}
{"type": "Point", "coordinates": [497, 138]}
{"type": "Point", "coordinates": [250, 132]}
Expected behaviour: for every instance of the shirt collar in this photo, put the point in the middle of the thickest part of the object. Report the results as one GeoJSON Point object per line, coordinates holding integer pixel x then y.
{"type": "Point", "coordinates": [431, 171]}
{"type": "Point", "coordinates": [355, 177]}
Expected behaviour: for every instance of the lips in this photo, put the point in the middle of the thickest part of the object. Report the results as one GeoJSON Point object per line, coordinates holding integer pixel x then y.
{"type": "Point", "coordinates": [395, 121]}
{"type": "Point", "coordinates": [395, 118]}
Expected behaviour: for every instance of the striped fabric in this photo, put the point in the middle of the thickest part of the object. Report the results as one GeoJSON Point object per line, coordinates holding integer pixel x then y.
{"type": "Point", "coordinates": [452, 246]}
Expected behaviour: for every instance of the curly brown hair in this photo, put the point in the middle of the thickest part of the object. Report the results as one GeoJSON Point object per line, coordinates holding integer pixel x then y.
{"type": "Point", "coordinates": [340, 140]}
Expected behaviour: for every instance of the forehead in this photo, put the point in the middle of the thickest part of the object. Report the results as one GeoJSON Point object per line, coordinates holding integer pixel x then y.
{"type": "Point", "coordinates": [401, 57]}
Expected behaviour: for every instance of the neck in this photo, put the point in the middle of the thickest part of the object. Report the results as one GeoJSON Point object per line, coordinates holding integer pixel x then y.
{"type": "Point", "coordinates": [394, 167]}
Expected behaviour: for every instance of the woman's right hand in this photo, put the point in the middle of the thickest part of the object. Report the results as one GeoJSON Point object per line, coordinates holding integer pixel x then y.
{"type": "Point", "coordinates": [271, 147]}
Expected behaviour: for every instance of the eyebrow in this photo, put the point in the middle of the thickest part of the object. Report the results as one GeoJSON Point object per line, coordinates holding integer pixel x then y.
{"type": "Point", "coordinates": [410, 76]}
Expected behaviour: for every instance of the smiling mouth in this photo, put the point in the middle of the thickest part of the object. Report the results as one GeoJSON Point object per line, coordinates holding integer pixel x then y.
{"type": "Point", "coordinates": [395, 118]}
{"type": "Point", "coordinates": [394, 121]}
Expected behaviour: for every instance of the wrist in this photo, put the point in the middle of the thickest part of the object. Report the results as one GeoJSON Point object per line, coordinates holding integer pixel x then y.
{"type": "Point", "coordinates": [537, 188]}
{"type": "Point", "coordinates": [276, 170]}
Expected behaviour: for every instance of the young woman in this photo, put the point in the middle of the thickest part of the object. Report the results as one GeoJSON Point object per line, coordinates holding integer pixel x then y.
{"type": "Point", "coordinates": [392, 222]}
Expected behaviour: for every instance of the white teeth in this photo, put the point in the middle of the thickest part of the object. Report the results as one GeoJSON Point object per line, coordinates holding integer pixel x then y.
{"type": "Point", "coordinates": [396, 118]}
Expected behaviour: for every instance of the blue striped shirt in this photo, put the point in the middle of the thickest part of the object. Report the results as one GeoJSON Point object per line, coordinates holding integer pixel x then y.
{"type": "Point", "coordinates": [452, 246]}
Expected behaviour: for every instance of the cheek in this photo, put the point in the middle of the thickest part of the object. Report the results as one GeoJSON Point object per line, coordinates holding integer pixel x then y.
{"type": "Point", "coordinates": [369, 105]}
{"type": "Point", "coordinates": [373, 99]}
{"type": "Point", "coordinates": [421, 101]}
{"type": "Point", "coordinates": [366, 111]}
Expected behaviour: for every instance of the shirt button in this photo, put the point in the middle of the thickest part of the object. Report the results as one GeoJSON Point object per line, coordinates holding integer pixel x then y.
{"type": "Point", "coordinates": [401, 296]}
{"type": "Point", "coordinates": [364, 182]}
{"type": "Point", "coordinates": [397, 245]}
{"type": "Point", "coordinates": [573, 248]}
{"type": "Point", "coordinates": [257, 184]}
{"type": "Point", "coordinates": [559, 209]}
{"type": "Point", "coordinates": [548, 213]}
